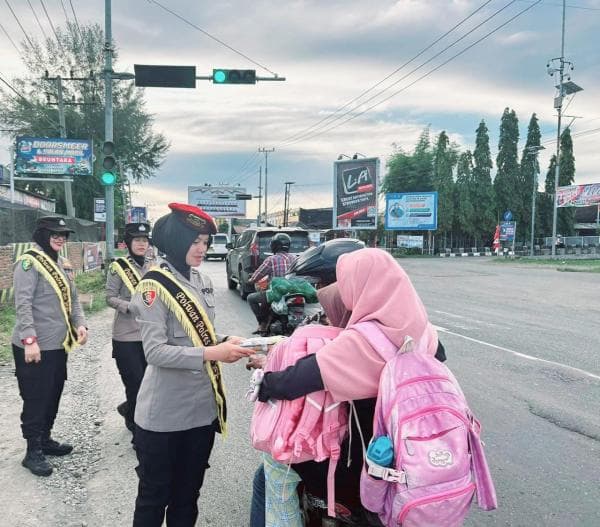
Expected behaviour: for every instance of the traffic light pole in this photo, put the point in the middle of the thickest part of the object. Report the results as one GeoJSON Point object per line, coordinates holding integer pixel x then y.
{"type": "Point", "coordinates": [109, 190]}
{"type": "Point", "coordinates": [266, 151]}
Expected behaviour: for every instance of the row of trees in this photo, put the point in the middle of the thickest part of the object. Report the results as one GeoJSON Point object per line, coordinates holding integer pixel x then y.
{"type": "Point", "coordinates": [79, 49]}
{"type": "Point", "coordinates": [470, 202]}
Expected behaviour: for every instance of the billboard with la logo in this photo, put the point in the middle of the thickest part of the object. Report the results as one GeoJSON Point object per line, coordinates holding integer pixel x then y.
{"type": "Point", "coordinates": [355, 193]}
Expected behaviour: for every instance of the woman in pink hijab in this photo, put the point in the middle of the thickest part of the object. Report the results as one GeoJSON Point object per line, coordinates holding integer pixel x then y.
{"type": "Point", "coordinates": [371, 286]}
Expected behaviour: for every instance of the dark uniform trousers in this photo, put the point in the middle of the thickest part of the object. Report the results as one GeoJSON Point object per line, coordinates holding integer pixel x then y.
{"type": "Point", "coordinates": [259, 305]}
{"type": "Point", "coordinates": [131, 364]}
{"type": "Point", "coordinates": [171, 472]}
{"type": "Point", "coordinates": [40, 386]}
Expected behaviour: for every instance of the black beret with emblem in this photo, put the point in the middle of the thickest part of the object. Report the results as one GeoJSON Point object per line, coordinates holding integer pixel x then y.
{"type": "Point", "coordinates": [53, 224]}
{"type": "Point", "coordinates": [137, 230]}
{"type": "Point", "coordinates": [194, 218]}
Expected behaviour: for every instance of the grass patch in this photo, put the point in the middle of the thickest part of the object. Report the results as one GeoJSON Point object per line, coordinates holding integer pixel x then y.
{"type": "Point", "coordinates": [580, 265]}
{"type": "Point", "coordinates": [7, 323]}
{"type": "Point", "coordinates": [92, 283]}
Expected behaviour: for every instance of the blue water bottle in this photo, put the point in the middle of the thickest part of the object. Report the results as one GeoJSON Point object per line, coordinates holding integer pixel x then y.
{"type": "Point", "coordinates": [381, 451]}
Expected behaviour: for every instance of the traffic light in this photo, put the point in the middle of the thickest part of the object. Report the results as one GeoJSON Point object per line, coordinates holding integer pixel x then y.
{"type": "Point", "coordinates": [221, 76]}
{"type": "Point", "coordinates": [108, 176]}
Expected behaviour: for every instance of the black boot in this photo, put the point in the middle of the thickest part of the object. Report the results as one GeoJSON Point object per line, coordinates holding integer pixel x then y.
{"type": "Point", "coordinates": [124, 411]}
{"type": "Point", "coordinates": [54, 448]}
{"type": "Point", "coordinates": [35, 460]}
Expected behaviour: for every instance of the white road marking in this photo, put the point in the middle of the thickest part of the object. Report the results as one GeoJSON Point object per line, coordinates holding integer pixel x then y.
{"type": "Point", "coordinates": [521, 355]}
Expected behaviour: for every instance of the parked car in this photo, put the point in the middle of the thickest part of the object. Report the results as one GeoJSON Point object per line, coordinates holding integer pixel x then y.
{"type": "Point", "coordinates": [251, 249]}
{"type": "Point", "coordinates": [218, 248]}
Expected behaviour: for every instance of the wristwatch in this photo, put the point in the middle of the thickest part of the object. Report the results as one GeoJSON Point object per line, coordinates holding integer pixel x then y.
{"type": "Point", "coordinates": [29, 340]}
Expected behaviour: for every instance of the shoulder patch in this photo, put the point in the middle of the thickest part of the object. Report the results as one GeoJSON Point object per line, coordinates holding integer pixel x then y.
{"type": "Point", "coordinates": [148, 297]}
{"type": "Point", "coordinates": [26, 264]}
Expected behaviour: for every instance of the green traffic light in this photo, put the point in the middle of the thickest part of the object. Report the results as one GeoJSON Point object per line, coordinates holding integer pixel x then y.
{"type": "Point", "coordinates": [108, 178]}
{"type": "Point", "coordinates": [219, 76]}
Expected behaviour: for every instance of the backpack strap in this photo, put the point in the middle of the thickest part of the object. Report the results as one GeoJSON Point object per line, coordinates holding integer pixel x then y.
{"type": "Point", "coordinates": [374, 336]}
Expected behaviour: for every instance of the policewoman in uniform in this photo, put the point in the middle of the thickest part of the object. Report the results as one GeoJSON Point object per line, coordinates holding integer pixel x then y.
{"type": "Point", "coordinates": [181, 402]}
{"type": "Point", "coordinates": [123, 277]}
{"type": "Point", "coordinates": [49, 323]}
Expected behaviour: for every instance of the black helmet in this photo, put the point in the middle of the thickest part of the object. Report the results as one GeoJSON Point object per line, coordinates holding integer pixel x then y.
{"type": "Point", "coordinates": [319, 262]}
{"type": "Point", "coordinates": [280, 242]}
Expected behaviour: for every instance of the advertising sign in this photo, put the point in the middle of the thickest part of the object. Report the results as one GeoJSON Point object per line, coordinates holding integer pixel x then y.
{"type": "Point", "coordinates": [410, 242]}
{"type": "Point", "coordinates": [99, 209]}
{"type": "Point", "coordinates": [507, 231]}
{"type": "Point", "coordinates": [218, 200]}
{"type": "Point", "coordinates": [578, 195]}
{"type": "Point", "coordinates": [138, 215]}
{"type": "Point", "coordinates": [62, 157]}
{"type": "Point", "coordinates": [92, 256]}
{"type": "Point", "coordinates": [355, 193]}
{"type": "Point", "coordinates": [411, 211]}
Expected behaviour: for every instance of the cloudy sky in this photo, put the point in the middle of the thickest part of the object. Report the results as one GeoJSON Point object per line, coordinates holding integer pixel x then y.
{"type": "Point", "coordinates": [331, 52]}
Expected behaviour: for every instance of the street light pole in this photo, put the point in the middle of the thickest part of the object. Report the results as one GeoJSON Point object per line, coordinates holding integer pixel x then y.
{"type": "Point", "coordinates": [534, 150]}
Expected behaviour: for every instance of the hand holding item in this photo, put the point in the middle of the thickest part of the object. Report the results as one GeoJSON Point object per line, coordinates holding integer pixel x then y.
{"type": "Point", "coordinates": [81, 335]}
{"type": "Point", "coordinates": [226, 352]}
{"type": "Point", "coordinates": [32, 353]}
{"type": "Point", "coordinates": [256, 361]}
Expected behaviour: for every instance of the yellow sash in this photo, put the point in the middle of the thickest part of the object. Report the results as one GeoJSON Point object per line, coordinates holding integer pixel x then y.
{"type": "Point", "coordinates": [50, 270]}
{"type": "Point", "coordinates": [127, 273]}
{"type": "Point", "coordinates": [196, 324]}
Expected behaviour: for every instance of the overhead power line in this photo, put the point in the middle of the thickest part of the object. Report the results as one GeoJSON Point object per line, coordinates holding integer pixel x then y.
{"type": "Point", "coordinates": [76, 20]}
{"type": "Point", "coordinates": [51, 24]}
{"type": "Point", "coordinates": [570, 6]}
{"type": "Point", "coordinates": [37, 20]}
{"type": "Point", "coordinates": [405, 76]}
{"type": "Point", "coordinates": [430, 72]}
{"type": "Point", "coordinates": [64, 11]}
{"type": "Point", "coordinates": [186, 21]}
{"type": "Point", "coordinates": [424, 50]}
{"type": "Point", "coordinates": [26, 100]}
{"type": "Point", "coordinates": [9, 38]}
{"type": "Point", "coordinates": [19, 24]}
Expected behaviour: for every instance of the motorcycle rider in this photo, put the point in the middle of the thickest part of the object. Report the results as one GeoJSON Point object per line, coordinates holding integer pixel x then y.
{"type": "Point", "coordinates": [277, 264]}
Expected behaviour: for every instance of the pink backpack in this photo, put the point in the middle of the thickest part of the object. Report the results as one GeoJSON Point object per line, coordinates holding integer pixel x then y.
{"type": "Point", "coordinates": [309, 428]}
{"type": "Point", "coordinates": [439, 462]}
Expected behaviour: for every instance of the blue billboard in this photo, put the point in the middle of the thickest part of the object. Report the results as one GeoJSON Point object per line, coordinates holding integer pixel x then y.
{"type": "Point", "coordinates": [61, 157]}
{"type": "Point", "coordinates": [411, 211]}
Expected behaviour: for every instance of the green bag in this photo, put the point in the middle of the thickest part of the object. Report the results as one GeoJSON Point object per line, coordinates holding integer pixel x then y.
{"type": "Point", "coordinates": [280, 287]}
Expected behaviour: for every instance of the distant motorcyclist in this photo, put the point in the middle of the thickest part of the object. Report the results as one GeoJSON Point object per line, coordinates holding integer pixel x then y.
{"type": "Point", "coordinates": [277, 264]}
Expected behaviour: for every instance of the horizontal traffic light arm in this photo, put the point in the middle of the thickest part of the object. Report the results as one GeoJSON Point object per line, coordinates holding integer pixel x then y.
{"type": "Point", "coordinates": [210, 78]}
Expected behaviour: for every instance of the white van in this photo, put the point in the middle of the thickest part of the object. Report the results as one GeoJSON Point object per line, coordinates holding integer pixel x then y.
{"type": "Point", "coordinates": [218, 249]}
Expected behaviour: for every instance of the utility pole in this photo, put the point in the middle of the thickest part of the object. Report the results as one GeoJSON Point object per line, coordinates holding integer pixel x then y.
{"type": "Point", "coordinates": [258, 219]}
{"type": "Point", "coordinates": [266, 152]}
{"type": "Point", "coordinates": [534, 150]}
{"type": "Point", "coordinates": [109, 191]}
{"type": "Point", "coordinates": [286, 201]}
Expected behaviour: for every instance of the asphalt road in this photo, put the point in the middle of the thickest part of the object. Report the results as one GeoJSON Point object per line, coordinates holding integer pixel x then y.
{"type": "Point", "coordinates": [523, 342]}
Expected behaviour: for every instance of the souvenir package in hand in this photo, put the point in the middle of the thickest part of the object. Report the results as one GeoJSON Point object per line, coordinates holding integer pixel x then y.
{"type": "Point", "coordinates": [262, 343]}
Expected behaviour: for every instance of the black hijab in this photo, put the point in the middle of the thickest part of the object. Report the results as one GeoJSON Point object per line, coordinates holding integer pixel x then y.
{"type": "Point", "coordinates": [173, 239]}
{"type": "Point", "coordinates": [140, 260]}
{"type": "Point", "coordinates": [41, 236]}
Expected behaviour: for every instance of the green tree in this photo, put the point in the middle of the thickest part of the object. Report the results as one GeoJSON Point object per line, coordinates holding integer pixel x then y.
{"type": "Point", "coordinates": [565, 224]}
{"type": "Point", "coordinates": [507, 180]}
{"type": "Point", "coordinates": [444, 159]}
{"type": "Point", "coordinates": [465, 207]}
{"type": "Point", "coordinates": [529, 170]}
{"type": "Point", "coordinates": [546, 202]}
{"type": "Point", "coordinates": [410, 172]}
{"type": "Point", "coordinates": [139, 149]}
{"type": "Point", "coordinates": [484, 213]}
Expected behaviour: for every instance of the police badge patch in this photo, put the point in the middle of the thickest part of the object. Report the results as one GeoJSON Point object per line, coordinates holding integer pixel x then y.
{"type": "Point", "coordinates": [148, 297]}
{"type": "Point", "coordinates": [26, 265]}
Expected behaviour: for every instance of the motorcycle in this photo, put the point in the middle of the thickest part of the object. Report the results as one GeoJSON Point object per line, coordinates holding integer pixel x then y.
{"type": "Point", "coordinates": [315, 266]}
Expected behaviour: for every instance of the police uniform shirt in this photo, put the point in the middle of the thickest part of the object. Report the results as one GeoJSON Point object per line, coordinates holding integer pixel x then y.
{"type": "Point", "coordinates": [176, 393]}
{"type": "Point", "coordinates": [38, 308]}
{"type": "Point", "coordinates": [125, 327]}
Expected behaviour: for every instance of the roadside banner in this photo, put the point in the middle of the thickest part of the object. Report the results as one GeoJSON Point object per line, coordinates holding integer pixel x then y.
{"type": "Point", "coordinates": [410, 242]}
{"type": "Point", "coordinates": [355, 193]}
{"type": "Point", "coordinates": [220, 201]}
{"type": "Point", "coordinates": [411, 211]}
{"type": "Point", "coordinates": [99, 209]}
{"type": "Point", "coordinates": [61, 157]}
{"type": "Point", "coordinates": [507, 231]}
{"type": "Point", "coordinates": [578, 195]}
{"type": "Point", "coordinates": [138, 215]}
{"type": "Point", "coordinates": [496, 243]}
